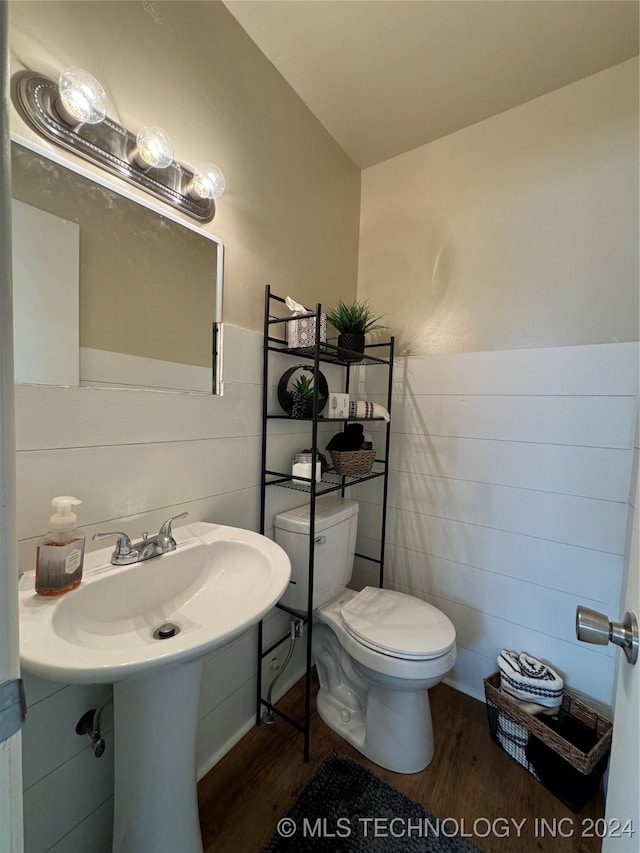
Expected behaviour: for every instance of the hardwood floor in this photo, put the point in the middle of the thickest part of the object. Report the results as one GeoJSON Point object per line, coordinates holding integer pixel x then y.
{"type": "Point", "coordinates": [471, 779]}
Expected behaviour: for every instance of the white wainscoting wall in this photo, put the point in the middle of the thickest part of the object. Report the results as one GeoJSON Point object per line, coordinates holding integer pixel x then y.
{"type": "Point", "coordinates": [508, 499]}
{"type": "Point", "coordinates": [508, 506]}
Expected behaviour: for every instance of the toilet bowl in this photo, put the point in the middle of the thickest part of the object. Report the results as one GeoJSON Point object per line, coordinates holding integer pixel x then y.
{"type": "Point", "coordinates": [377, 652]}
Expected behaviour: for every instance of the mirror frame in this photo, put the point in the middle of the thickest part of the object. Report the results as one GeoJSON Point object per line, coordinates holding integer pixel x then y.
{"type": "Point", "coordinates": [112, 183]}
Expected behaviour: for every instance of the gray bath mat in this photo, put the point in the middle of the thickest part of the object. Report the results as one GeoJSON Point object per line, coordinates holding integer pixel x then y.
{"type": "Point", "coordinates": [344, 808]}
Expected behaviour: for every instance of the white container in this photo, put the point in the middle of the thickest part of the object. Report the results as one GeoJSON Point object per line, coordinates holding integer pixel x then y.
{"type": "Point", "coordinates": [302, 467]}
{"type": "Point", "coordinates": [338, 405]}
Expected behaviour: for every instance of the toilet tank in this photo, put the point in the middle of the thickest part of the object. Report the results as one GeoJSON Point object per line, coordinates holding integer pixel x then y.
{"type": "Point", "coordinates": [336, 523]}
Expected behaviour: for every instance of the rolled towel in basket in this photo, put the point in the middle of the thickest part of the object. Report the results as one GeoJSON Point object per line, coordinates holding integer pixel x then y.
{"type": "Point", "coordinates": [363, 410]}
{"type": "Point", "coordinates": [534, 708]}
{"type": "Point", "coordinates": [527, 678]}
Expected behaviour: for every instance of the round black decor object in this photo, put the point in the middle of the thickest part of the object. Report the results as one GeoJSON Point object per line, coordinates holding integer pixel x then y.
{"type": "Point", "coordinates": [286, 383]}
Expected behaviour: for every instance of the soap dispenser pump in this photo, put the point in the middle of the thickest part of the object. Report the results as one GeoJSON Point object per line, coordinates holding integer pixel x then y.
{"type": "Point", "coordinates": [61, 550]}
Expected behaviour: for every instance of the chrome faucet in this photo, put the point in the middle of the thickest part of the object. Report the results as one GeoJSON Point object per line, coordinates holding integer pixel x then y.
{"type": "Point", "coordinates": [148, 547]}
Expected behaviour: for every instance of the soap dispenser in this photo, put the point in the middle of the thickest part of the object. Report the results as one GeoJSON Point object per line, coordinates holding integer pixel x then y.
{"type": "Point", "coordinates": [60, 551]}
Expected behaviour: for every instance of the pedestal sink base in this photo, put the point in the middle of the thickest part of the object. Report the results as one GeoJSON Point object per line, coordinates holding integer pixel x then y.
{"type": "Point", "coordinates": [155, 725]}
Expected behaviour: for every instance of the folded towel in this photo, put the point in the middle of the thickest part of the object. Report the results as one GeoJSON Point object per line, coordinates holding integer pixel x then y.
{"type": "Point", "coordinates": [514, 739]}
{"type": "Point", "coordinates": [362, 409]}
{"type": "Point", "coordinates": [527, 678]}
{"type": "Point", "coordinates": [350, 438]}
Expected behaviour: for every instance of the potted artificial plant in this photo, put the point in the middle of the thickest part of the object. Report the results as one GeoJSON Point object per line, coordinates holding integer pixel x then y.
{"type": "Point", "coordinates": [302, 397]}
{"type": "Point", "coordinates": [296, 390]}
{"type": "Point", "coordinates": [352, 321]}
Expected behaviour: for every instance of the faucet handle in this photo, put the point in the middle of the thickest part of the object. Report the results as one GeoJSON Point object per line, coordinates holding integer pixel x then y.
{"type": "Point", "coordinates": [165, 536]}
{"type": "Point", "coordinates": [123, 545]}
{"type": "Point", "coordinates": [165, 530]}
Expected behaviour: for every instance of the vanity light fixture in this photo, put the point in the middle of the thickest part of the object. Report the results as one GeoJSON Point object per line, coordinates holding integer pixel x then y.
{"type": "Point", "coordinates": [73, 114]}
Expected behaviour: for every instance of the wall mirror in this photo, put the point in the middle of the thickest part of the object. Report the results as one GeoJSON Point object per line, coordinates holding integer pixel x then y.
{"type": "Point", "coordinates": [109, 289]}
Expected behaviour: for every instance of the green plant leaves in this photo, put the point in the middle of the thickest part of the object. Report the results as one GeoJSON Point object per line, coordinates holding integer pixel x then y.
{"type": "Point", "coordinates": [354, 317]}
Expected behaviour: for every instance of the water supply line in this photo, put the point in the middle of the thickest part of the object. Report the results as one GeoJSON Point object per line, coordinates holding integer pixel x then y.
{"type": "Point", "coordinates": [269, 716]}
{"type": "Point", "coordinates": [89, 725]}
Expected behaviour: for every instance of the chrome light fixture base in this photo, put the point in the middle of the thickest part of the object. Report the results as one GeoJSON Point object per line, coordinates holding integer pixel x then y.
{"type": "Point", "coordinates": [108, 145]}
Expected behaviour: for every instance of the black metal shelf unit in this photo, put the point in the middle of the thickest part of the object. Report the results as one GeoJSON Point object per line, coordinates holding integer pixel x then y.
{"type": "Point", "coordinates": [331, 482]}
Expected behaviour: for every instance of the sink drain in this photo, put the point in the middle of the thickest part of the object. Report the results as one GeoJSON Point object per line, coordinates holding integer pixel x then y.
{"type": "Point", "coordinates": [168, 629]}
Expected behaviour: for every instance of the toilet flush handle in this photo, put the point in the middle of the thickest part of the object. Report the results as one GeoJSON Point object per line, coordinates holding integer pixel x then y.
{"type": "Point", "coordinates": [320, 540]}
{"type": "Point", "coordinates": [594, 627]}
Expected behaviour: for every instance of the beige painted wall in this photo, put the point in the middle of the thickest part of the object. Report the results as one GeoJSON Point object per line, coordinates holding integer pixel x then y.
{"type": "Point", "coordinates": [290, 213]}
{"type": "Point", "coordinates": [520, 231]}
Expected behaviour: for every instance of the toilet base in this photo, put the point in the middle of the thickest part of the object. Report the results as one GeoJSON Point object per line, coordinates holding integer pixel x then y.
{"type": "Point", "coordinates": [395, 732]}
{"type": "Point", "coordinates": [385, 719]}
{"type": "Point", "coordinates": [347, 723]}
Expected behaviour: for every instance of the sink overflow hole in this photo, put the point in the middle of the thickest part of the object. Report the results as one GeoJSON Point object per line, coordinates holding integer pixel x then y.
{"type": "Point", "coordinates": [165, 631]}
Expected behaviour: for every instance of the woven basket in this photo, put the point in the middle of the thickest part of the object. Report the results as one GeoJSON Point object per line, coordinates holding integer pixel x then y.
{"type": "Point", "coordinates": [512, 728]}
{"type": "Point", "coordinates": [353, 462]}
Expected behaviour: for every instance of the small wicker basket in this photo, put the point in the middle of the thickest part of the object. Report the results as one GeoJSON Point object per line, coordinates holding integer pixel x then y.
{"type": "Point", "coordinates": [353, 463]}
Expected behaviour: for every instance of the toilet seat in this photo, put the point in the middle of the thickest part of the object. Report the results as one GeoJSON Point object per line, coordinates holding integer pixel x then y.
{"type": "Point", "coordinates": [398, 625]}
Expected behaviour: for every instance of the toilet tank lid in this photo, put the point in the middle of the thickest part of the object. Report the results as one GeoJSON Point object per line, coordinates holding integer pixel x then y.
{"type": "Point", "coordinates": [329, 511]}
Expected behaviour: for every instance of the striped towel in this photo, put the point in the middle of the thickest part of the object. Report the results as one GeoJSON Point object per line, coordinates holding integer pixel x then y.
{"type": "Point", "coordinates": [362, 410]}
{"type": "Point", "coordinates": [527, 678]}
{"type": "Point", "coordinates": [514, 739]}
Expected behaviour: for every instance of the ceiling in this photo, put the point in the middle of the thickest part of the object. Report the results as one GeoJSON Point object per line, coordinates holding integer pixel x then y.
{"type": "Point", "coordinates": [386, 76]}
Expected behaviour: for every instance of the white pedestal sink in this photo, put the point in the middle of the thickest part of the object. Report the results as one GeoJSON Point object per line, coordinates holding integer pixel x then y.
{"type": "Point", "coordinates": [218, 583]}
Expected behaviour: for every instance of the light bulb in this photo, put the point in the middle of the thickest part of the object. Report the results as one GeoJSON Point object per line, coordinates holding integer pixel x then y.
{"type": "Point", "coordinates": [153, 148]}
{"type": "Point", "coordinates": [82, 98]}
{"type": "Point", "coordinates": [207, 182]}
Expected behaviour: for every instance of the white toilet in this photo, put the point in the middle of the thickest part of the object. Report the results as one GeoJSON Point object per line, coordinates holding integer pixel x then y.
{"type": "Point", "coordinates": [377, 652]}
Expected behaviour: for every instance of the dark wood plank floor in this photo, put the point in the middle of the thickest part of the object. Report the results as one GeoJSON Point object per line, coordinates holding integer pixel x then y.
{"type": "Point", "coordinates": [471, 780]}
